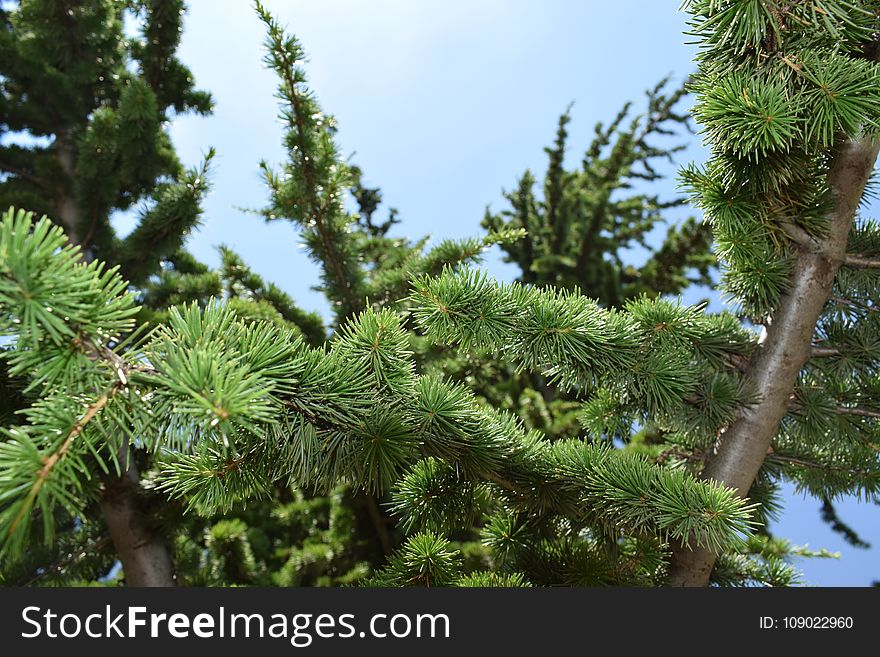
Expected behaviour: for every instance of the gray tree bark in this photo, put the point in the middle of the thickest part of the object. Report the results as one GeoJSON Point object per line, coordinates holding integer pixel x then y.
{"type": "Point", "coordinates": [141, 549]}
{"type": "Point", "coordinates": [773, 370]}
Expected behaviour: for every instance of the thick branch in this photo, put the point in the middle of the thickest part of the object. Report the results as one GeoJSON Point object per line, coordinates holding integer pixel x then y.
{"type": "Point", "coordinates": [775, 366]}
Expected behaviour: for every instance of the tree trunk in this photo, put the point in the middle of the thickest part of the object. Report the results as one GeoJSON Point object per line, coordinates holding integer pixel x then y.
{"type": "Point", "coordinates": [141, 550]}
{"type": "Point", "coordinates": [66, 206]}
{"type": "Point", "coordinates": [774, 369]}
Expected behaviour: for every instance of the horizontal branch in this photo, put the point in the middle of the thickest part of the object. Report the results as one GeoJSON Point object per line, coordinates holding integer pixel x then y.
{"type": "Point", "coordinates": [795, 406]}
{"type": "Point", "coordinates": [857, 410]}
{"type": "Point", "coordinates": [815, 466]}
{"type": "Point", "coordinates": [865, 262]}
{"type": "Point", "coordinates": [841, 301]}
{"type": "Point", "coordinates": [824, 352]}
{"type": "Point", "coordinates": [24, 175]}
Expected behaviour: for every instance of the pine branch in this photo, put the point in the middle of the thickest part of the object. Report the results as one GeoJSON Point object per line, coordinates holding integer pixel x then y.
{"type": "Point", "coordinates": [865, 262]}
{"type": "Point", "coordinates": [857, 411]}
{"type": "Point", "coordinates": [823, 352]}
{"type": "Point", "coordinates": [319, 195]}
{"type": "Point", "coordinates": [163, 227]}
{"type": "Point", "coordinates": [51, 460]}
{"type": "Point", "coordinates": [318, 209]}
{"type": "Point", "coordinates": [782, 458]}
{"type": "Point", "coordinates": [840, 301]}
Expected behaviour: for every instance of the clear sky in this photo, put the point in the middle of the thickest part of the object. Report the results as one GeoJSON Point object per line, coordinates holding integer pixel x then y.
{"type": "Point", "coordinates": [442, 103]}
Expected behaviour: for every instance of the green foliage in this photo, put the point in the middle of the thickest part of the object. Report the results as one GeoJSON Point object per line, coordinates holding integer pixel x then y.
{"type": "Point", "coordinates": [216, 386]}
{"type": "Point", "coordinates": [289, 539]}
{"type": "Point", "coordinates": [780, 89]}
{"type": "Point", "coordinates": [545, 432]}
{"type": "Point", "coordinates": [653, 356]}
{"type": "Point", "coordinates": [424, 560]}
{"type": "Point", "coordinates": [309, 190]}
{"type": "Point", "coordinates": [163, 227]}
{"type": "Point", "coordinates": [778, 86]}
{"type": "Point", "coordinates": [104, 99]}
{"type": "Point", "coordinates": [576, 234]}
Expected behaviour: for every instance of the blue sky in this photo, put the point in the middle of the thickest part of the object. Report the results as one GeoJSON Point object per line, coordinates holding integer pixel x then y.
{"type": "Point", "coordinates": [443, 105]}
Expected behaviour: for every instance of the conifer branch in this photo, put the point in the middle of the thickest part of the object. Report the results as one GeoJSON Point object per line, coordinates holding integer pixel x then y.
{"type": "Point", "coordinates": [782, 458]}
{"type": "Point", "coordinates": [22, 173]}
{"type": "Point", "coordinates": [318, 208]}
{"type": "Point", "coordinates": [318, 198]}
{"type": "Point", "coordinates": [823, 352]}
{"type": "Point", "coordinates": [865, 262]}
{"type": "Point", "coordinates": [857, 411]}
{"type": "Point", "coordinates": [51, 460]}
{"type": "Point", "coordinates": [841, 301]}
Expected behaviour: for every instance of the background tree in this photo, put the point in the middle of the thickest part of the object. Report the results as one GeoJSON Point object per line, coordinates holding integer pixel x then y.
{"type": "Point", "coordinates": [578, 232]}
{"type": "Point", "coordinates": [84, 108]}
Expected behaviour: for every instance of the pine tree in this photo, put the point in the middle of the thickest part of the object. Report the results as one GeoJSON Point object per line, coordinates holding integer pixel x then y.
{"type": "Point", "coordinates": [235, 398]}
{"type": "Point", "coordinates": [229, 406]}
{"type": "Point", "coordinates": [577, 233]}
{"type": "Point", "coordinates": [84, 108]}
{"type": "Point", "coordinates": [787, 98]}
